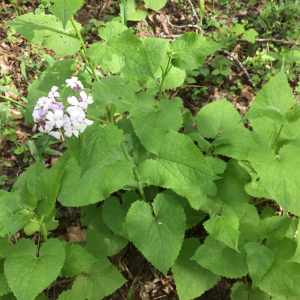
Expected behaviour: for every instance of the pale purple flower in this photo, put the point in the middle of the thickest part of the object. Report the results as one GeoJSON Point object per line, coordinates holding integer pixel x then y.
{"type": "Point", "coordinates": [54, 93]}
{"type": "Point", "coordinates": [76, 88]}
{"type": "Point", "coordinates": [55, 118]}
{"type": "Point", "coordinates": [56, 106]}
{"type": "Point", "coordinates": [44, 102]}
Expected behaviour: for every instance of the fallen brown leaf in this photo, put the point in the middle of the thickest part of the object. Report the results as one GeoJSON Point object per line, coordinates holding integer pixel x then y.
{"type": "Point", "coordinates": [246, 92]}
{"type": "Point", "coordinates": [76, 234]}
{"type": "Point", "coordinates": [141, 5]}
{"type": "Point", "coordinates": [4, 65]}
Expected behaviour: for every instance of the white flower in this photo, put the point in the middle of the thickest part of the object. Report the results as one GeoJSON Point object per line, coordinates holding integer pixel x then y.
{"type": "Point", "coordinates": [73, 82]}
{"type": "Point", "coordinates": [48, 131]}
{"type": "Point", "coordinates": [76, 113]}
{"type": "Point", "coordinates": [70, 130]}
{"type": "Point", "coordinates": [44, 102]}
{"type": "Point", "coordinates": [55, 118]}
{"type": "Point", "coordinates": [36, 115]}
{"type": "Point", "coordinates": [73, 100]}
{"type": "Point", "coordinates": [54, 93]}
{"type": "Point", "coordinates": [84, 123]}
{"type": "Point", "coordinates": [85, 100]}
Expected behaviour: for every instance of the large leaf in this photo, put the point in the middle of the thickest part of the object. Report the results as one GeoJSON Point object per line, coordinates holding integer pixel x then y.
{"type": "Point", "coordinates": [95, 185]}
{"type": "Point", "coordinates": [45, 30]}
{"type": "Point", "coordinates": [178, 163]}
{"type": "Point", "coordinates": [94, 145]}
{"type": "Point", "coordinates": [114, 214]}
{"type": "Point", "coordinates": [217, 118]}
{"type": "Point", "coordinates": [158, 237]}
{"type": "Point", "coordinates": [77, 259]}
{"type": "Point", "coordinates": [112, 90]}
{"type": "Point", "coordinates": [194, 49]}
{"type": "Point", "coordinates": [146, 116]}
{"type": "Point", "coordinates": [224, 227]}
{"type": "Point", "coordinates": [46, 190]}
{"type": "Point", "coordinates": [12, 217]}
{"type": "Point", "coordinates": [4, 288]}
{"type": "Point", "coordinates": [65, 9]}
{"type": "Point", "coordinates": [283, 277]}
{"type": "Point", "coordinates": [27, 274]}
{"type": "Point", "coordinates": [100, 240]}
{"type": "Point", "coordinates": [267, 111]}
{"type": "Point", "coordinates": [279, 174]}
{"type": "Point", "coordinates": [98, 281]}
{"type": "Point", "coordinates": [220, 259]}
{"type": "Point", "coordinates": [259, 260]}
{"type": "Point", "coordinates": [191, 279]}
{"type": "Point", "coordinates": [55, 75]}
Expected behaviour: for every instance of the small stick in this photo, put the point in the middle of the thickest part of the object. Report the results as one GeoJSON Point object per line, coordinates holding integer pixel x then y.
{"type": "Point", "coordinates": [194, 11]}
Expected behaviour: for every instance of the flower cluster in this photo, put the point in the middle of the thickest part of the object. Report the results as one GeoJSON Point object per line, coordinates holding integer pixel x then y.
{"type": "Point", "coordinates": [72, 118]}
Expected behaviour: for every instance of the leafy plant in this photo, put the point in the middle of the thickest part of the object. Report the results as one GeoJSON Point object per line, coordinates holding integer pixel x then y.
{"type": "Point", "coordinates": [133, 145]}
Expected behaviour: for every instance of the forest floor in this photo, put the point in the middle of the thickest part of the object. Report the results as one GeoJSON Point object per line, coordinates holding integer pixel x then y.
{"type": "Point", "coordinates": [199, 89]}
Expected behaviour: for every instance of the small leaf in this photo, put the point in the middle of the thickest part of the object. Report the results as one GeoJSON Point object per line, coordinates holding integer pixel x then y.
{"type": "Point", "coordinates": [159, 236]}
{"type": "Point", "coordinates": [218, 165]}
{"type": "Point", "coordinates": [114, 215]}
{"type": "Point", "coordinates": [100, 241]}
{"type": "Point", "coordinates": [250, 35]}
{"type": "Point", "coordinates": [191, 279]}
{"type": "Point", "coordinates": [267, 111]}
{"type": "Point", "coordinates": [220, 259]}
{"type": "Point", "coordinates": [225, 227]}
{"type": "Point", "coordinates": [241, 291]}
{"type": "Point", "coordinates": [155, 4]}
{"type": "Point", "coordinates": [28, 275]}
{"type": "Point", "coordinates": [238, 29]}
{"type": "Point", "coordinates": [77, 259]}
{"type": "Point", "coordinates": [259, 260]}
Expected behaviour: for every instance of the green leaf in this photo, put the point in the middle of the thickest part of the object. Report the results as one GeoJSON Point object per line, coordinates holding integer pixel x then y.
{"type": "Point", "coordinates": [29, 178]}
{"type": "Point", "coordinates": [9, 296]}
{"type": "Point", "coordinates": [217, 118]}
{"type": "Point", "coordinates": [41, 296]}
{"type": "Point", "coordinates": [240, 142]}
{"type": "Point", "coordinates": [259, 260]}
{"type": "Point", "coordinates": [283, 276]}
{"type": "Point", "coordinates": [32, 226]}
{"type": "Point", "coordinates": [26, 198]}
{"type": "Point", "coordinates": [220, 259]}
{"type": "Point", "coordinates": [135, 15]}
{"type": "Point", "coordinates": [146, 116]}
{"type": "Point", "coordinates": [77, 259]}
{"type": "Point", "coordinates": [112, 90]}
{"type": "Point", "coordinates": [273, 227]}
{"type": "Point", "coordinates": [94, 145]}
{"type": "Point", "coordinates": [136, 63]}
{"type": "Point", "coordinates": [279, 174]}
{"type": "Point", "coordinates": [174, 78]}
{"type": "Point", "coordinates": [218, 165]}
{"type": "Point", "coordinates": [97, 282]}
{"type": "Point", "coordinates": [111, 30]}
{"type": "Point", "coordinates": [45, 30]}
{"type": "Point", "coordinates": [46, 190]}
{"type": "Point", "coordinates": [194, 48]}
{"type": "Point", "coordinates": [12, 217]}
{"type": "Point", "coordinates": [191, 279]}
{"type": "Point", "coordinates": [224, 227]}
{"type": "Point", "coordinates": [158, 237]}
{"type": "Point", "coordinates": [88, 213]}
{"type": "Point", "coordinates": [53, 76]}
{"type": "Point", "coordinates": [267, 111]}
{"type": "Point", "coordinates": [257, 189]}
{"type": "Point", "coordinates": [238, 29]}
{"type": "Point", "coordinates": [100, 241]}
{"type": "Point", "coordinates": [95, 185]}
{"type": "Point", "coordinates": [293, 114]}
{"type": "Point", "coordinates": [155, 4]}
{"type": "Point", "coordinates": [250, 35]}
{"type": "Point", "coordinates": [193, 217]}
{"type": "Point", "coordinates": [156, 49]}
{"type": "Point", "coordinates": [4, 288]}
{"type": "Point", "coordinates": [65, 9]}
{"type": "Point", "coordinates": [3, 244]}
{"type": "Point", "coordinates": [28, 275]}
{"type": "Point", "coordinates": [179, 164]}
{"type": "Point", "coordinates": [114, 215]}
{"type": "Point", "coordinates": [241, 291]}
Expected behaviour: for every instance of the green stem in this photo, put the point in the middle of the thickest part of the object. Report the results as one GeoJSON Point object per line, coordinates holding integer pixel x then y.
{"type": "Point", "coordinates": [43, 231]}
{"type": "Point", "coordinates": [13, 101]}
{"type": "Point", "coordinates": [271, 136]}
{"type": "Point", "coordinates": [84, 53]}
{"type": "Point", "coordinates": [111, 111]}
{"type": "Point", "coordinates": [164, 75]}
{"type": "Point", "coordinates": [16, 240]}
{"type": "Point", "coordinates": [96, 119]}
{"type": "Point", "coordinates": [12, 3]}
{"type": "Point", "coordinates": [277, 137]}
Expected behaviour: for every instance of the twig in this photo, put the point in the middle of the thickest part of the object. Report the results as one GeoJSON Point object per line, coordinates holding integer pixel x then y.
{"type": "Point", "coordinates": [194, 11]}
{"type": "Point", "coordinates": [277, 41]}
{"type": "Point", "coordinates": [242, 67]}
